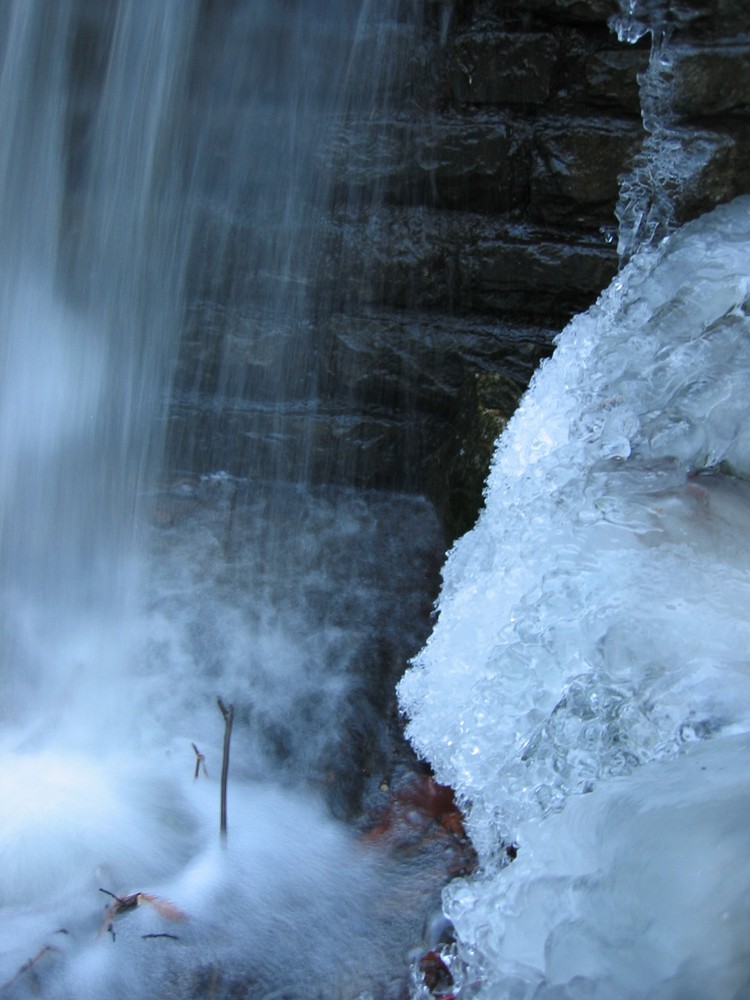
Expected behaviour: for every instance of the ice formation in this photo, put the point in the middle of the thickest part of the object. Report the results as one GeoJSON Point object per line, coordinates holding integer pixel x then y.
{"type": "Point", "coordinates": [586, 688]}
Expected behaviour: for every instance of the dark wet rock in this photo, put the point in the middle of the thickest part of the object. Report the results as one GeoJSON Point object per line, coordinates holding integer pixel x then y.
{"type": "Point", "coordinates": [532, 271]}
{"type": "Point", "coordinates": [460, 200]}
{"type": "Point", "coordinates": [489, 67]}
{"type": "Point", "coordinates": [612, 77]}
{"type": "Point", "coordinates": [477, 187]}
{"type": "Point", "coordinates": [469, 262]}
{"type": "Point", "coordinates": [711, 19]}
{"type": "Point", "coordinates": [377, 355]}
{"type": "Point", "coordinates": [457, 160]}
{"type": "Point", "coordinates": [397, 398]}
{"type": "Point", "coordinates": [370, 450]}
{"type": "Point", "coordinates": [488, 402]}
{"type": "Point", "coordinates": [576, 166]}
{"type": "Point", "coordinates": [708, 177]}
{"type": "Point", "coordinates": [711, 79]}
{"type": "Point", "coordinates": [374, 156]}
{"type": "Point", "coordinates": [536, 12]}
{"type": "Point", "coordinates": [679, 174]}
{"type": "Point", "coordinates": [576, 10]}
{"type": "Point", "coordinates": [475, 161]}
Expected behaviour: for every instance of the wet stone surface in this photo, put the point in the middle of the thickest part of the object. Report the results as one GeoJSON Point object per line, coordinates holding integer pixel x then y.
{"type": "Point", "coordinates": [329, 592]}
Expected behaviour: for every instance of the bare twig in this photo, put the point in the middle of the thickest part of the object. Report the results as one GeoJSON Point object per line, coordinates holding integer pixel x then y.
{"type": "Point", "coordinates": [32, 961]}
{"type": "Point", "coordinates": [228, 713]}
{"type": "Point", "coordinates": [200, 762]}
{"type": "Point", "coordinates": [172, 937]}
{"type": "Point", "coordinates": [120, 899]}
{"type": "Point", "coordinates": [28, 965]}
{"type": "Point", "coordinates": [123, 904]}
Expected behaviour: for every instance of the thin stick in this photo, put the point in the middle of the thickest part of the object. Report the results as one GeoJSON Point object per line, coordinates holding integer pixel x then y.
{"type": "Point", "coordinates": [108, 893]}
{"type": "Point", "coordinates": [228, 713]}
{"type": "Point", "coordinates": [200, 762]}
{"type": "Point", "coordinates": [30, 964]}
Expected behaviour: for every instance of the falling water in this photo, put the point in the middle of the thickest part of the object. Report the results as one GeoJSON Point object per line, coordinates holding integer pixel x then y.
{"type": "Point", "coordinates": [90, 293]}
{"type": "Point", "coordinates": [167, 535]}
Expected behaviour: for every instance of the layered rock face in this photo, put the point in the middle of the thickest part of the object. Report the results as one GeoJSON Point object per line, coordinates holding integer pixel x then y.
{"type": "Point", "coordinates": [499, 172]}
{"type": "Point", "coordinates": [532, 138]}
{"type": "Point", "coordinates": [470, 183]}
{"type": "Point", "coordinates": [467, 177]}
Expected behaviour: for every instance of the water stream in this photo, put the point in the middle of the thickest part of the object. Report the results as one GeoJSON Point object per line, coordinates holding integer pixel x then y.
{"type": "Point", "coordinates": [166, 538]}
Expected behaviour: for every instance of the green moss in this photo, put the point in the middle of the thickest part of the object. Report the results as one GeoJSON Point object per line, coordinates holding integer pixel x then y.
{"type": "Point", "coordinates": [487, 403]}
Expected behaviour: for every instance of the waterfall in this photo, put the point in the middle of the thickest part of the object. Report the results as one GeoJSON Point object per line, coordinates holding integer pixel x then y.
{"type": "Point", "coordinates": [586, 687]}
{"type": "Point", "coordinates": [90, 299]}
{"type": "Point", "coordinates": [171, 530]}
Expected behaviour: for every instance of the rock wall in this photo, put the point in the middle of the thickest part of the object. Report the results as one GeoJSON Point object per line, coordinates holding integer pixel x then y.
{"type": "Point", "coordinates": [475, 199]}
{"type": "Point", "coordinates": [499, 177]}
{"type": "Point", "coordinates": [530, 133]}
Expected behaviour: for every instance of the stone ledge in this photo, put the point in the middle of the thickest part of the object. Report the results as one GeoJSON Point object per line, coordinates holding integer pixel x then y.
{"type": "Point", "coordinates": [577, 11]}
{"type": "Point", "coordinates": [687, 170]}
{"type": "Point", "coordinates": [611, 77]}
{"type": "Point", "coordinates": [464, 262]}
{"type": "Point", "coordinates": [711, 79]}
{"type": "Point", "coordinates": [556, 11]}
{"type": "Point", "coordinates": [422, 360]}
{"type": "Point", "coordinates": [472, 160]}
{"type": "Point", "coordinates": [368, 449]}
{"type": "Point", "coordinates": [576, 166]}
{"type": "Point", "coordinates": [490, 67]}
{"type": "Point", "coordinates": [378, 358]}
{"type": "Point", "coordinates": [711, 18]}
{"type": "Point", "coordinates": [564, 169]}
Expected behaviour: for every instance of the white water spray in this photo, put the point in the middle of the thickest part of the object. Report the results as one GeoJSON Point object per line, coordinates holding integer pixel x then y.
{"type": "Point", "coordinates": [128, 605]}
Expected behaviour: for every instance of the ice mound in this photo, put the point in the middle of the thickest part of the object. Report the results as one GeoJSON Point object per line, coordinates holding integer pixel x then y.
{"type": "Point", "coordinates": [595, 621]}
{"type": "Point", "coordinates": [636, 890]}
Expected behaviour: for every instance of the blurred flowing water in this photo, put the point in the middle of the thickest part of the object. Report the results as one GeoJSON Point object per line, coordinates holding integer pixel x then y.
{"type": "Point", "coordinates": [164, 537]}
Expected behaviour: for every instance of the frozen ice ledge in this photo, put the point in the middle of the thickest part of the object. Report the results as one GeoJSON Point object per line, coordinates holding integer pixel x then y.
{"type": "Point", "coordinates": [586, 688]}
